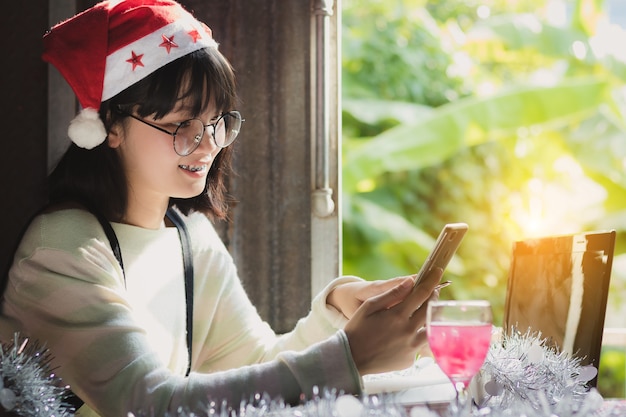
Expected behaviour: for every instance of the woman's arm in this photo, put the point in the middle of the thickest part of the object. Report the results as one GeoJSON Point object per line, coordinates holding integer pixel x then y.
{"type": "Point", "coordinates": [75, 302]}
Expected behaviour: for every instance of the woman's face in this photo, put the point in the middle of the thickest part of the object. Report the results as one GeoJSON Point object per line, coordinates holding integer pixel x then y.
{"type": "Point", "coordinates": [154, 171]}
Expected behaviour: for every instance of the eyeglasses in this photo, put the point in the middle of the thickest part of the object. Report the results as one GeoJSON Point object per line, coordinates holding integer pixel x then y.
{"type": "Point", "coordinates": [189, 133]}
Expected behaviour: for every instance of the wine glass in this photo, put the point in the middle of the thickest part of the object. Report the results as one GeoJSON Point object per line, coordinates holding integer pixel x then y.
{"type": "Point", "coordinates": [459, 336]}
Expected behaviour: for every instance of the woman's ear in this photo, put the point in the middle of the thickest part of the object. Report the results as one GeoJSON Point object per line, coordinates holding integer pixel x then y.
{"type": "Point", "coordinates": [115, 136]}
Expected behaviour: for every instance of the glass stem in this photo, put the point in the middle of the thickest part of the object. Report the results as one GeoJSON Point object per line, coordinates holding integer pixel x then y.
{"type": "Point", "coordinates": [462, 397]}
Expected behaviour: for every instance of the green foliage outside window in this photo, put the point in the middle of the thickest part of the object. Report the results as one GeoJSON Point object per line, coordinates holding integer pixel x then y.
{"type": "Point", "coordinates": [486, 112]}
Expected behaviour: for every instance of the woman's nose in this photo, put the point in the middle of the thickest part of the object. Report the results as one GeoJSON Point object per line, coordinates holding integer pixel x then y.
{"type": "Point", "coordinates": [207, 144]}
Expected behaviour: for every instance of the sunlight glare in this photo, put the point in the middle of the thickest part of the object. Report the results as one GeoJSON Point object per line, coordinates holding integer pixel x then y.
{"type": "Point", "coordinates": [483, 12]}
{"type": "Point", "coordinates": [579, 49]}
{"type": "Point", "coordinates": [609, 41]}
{"type": "Point", "coordinates": [461, 65]}
{"type": "Point", "coordinates": [556, 12]}
{"type": "Point", "coordinates": [535, 205]}
{"type": "Point", "coordinates": [568, 166]}
{"type": "Point", "coordinates": [486, 89]}
{"type": "Point", "coordinates": [561, 205]}
{"type": "Point", "coordinates": [365, 185]}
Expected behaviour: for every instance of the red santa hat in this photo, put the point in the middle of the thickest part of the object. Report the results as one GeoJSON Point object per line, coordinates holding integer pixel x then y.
{"type": "Point", "coordinates": [109, 47]}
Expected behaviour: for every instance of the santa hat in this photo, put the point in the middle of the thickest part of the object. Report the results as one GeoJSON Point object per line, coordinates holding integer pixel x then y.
{"type": "Point", "coordinates": [109, 47]}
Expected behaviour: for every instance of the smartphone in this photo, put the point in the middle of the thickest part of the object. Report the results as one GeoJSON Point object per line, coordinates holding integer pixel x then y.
{"type": "Point", "coordinates": [446, 245]}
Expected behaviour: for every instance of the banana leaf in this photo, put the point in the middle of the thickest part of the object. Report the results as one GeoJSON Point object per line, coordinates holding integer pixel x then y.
{"type": "Point", "coordinates": [467, 122]}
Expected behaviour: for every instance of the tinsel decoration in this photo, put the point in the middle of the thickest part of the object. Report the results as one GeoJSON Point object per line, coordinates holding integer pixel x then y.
{"type": "Point", "coordinates": [328, 403]}
{"type": "Point", "coordinates": [28, 387]}
{"type": "Point", "coordinates": [525, 368]}
{"type": "Point", "coordinates": [521, 377]}
{"type": "Point", "coordinates": [524, 376]}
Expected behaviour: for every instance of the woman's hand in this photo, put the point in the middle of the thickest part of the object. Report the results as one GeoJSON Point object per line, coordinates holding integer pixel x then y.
{"type": "Point", "coordinates": [348, 297]}
{"type": "Point", "coordinates": [387, 330]}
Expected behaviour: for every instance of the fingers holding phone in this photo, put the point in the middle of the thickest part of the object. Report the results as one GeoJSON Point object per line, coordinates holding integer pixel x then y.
{"type": "Point", "coordinates": [384, 332]}
{"type": "Point", "coordinates": [387, 329]}
{"type": "Point", "coordinates": [422, 292]}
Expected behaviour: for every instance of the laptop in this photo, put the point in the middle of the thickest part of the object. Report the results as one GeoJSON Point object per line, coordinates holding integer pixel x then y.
{"type": "Point", "coordinates": [558, 288]}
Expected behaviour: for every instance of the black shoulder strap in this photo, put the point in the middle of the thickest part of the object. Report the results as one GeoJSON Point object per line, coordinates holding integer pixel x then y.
{"type": "Point", "coordinates": [185, 242]}
{"type": "Point", "coordinates": [73, 400]}
{"type": "Point", "coordinates": [115, 245]}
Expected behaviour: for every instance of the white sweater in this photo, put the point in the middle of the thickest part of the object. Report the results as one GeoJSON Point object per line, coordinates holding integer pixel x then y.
{"type": "Point", "coordinates": [121, 346]}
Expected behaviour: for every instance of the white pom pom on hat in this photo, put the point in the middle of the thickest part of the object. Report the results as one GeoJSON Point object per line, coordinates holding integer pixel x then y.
{"type": "Point", "coordinates": [87, 130]}
{"type": "Point", "coordinates": [109, 47]}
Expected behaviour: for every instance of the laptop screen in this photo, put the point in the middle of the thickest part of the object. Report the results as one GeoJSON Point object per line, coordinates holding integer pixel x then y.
{"type": "Point", "coordinates": [558, 286]}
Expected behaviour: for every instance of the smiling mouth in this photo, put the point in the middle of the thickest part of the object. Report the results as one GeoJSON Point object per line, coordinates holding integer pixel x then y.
{"type": "Point", "coordinates": [191, 168]}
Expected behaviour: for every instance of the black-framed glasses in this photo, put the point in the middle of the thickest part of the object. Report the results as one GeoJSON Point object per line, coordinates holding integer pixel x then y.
{"type": "Point", "coordinates": [189, 133]}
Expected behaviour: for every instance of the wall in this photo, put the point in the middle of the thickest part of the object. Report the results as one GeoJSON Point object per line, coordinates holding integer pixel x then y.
{"type": "Point", "coordinates": [24, 119]}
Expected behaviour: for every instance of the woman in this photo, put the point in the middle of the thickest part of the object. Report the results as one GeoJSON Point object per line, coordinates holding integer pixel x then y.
{"type": "Point", "coordinates": [123, 276]}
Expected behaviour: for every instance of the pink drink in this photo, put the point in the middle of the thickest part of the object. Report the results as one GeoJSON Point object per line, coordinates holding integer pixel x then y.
{"type": "Point", "coordinates": [459, 349]}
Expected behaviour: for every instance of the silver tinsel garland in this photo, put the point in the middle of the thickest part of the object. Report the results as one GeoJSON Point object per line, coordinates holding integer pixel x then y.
{"type": "Point", "coordinates": [28, 388]}
{"type": "Point", "coordinates": [524, 369]}
{"type": "Point", "coordinates": [521, 377]}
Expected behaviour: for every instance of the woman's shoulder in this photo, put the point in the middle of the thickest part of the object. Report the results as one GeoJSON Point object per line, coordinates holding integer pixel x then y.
{"type": "Point", "coordinates": [63, 226]}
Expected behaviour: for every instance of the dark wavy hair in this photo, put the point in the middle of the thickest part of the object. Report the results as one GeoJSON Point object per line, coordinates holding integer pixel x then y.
{"type": "Point", "coordinates": [96, 178]}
